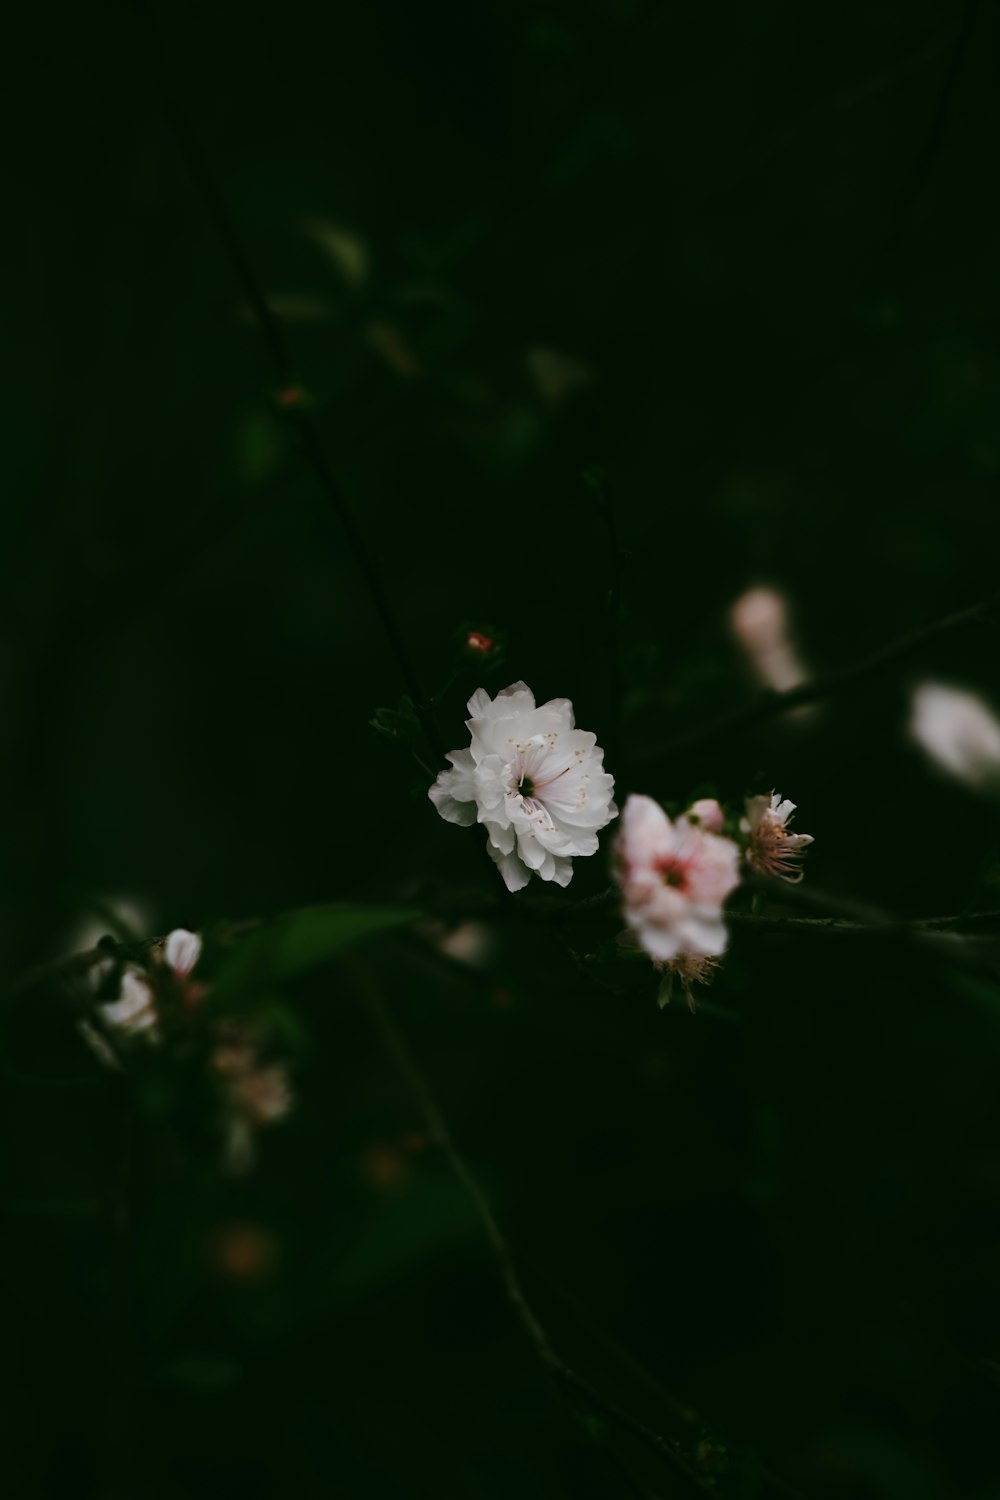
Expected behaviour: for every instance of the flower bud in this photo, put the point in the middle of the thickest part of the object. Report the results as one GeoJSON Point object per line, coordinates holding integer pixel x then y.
{"type": "Point", "coordinates": [708, 813]}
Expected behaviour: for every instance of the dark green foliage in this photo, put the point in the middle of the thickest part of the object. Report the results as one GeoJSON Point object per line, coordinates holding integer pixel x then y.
{"type": "Point", "coordinates": [602, 313]}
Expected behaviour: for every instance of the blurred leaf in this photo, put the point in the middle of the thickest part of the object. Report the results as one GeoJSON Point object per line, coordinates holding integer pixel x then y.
{"type": "Point", "coordinates": [400, 723]}
{"type": "Point", "coordinates": [300, 941]}
{"type": "Point", "coordinates": [259, 447]}
{"type": "Point", "coordinates": [202, 1372]}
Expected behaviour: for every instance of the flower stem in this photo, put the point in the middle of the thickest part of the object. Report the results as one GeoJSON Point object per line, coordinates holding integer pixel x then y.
{"type": "Point", "coordinates": [769, 705]}
{"type": "Point", "coordinates": [272, 335]}
{"type": "Point", "coordinates": [438, 1132]}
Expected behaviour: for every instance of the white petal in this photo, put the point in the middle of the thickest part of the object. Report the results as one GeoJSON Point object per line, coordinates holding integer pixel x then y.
{"type": "Point", "coordinates": [502, 837]}
{"type": "Point", "coordinates": [479, 704]}
{"type": "Point", "coordinates": [516, 699]}
{"type": "Point", "coordinates": [704, 933]}
{"type": "Point", "coordinates": [531, 852]}
{"type": "Point", "coordinates": [453, 809]}
{"type": "Point", "coordinates": [134, 1011]}
{"type": "Point", "coordinates": [564, 708]}
{"type": "Point", "coordinates": [515, 874]}
{"type": "Point", "coordinates": [182, 951]}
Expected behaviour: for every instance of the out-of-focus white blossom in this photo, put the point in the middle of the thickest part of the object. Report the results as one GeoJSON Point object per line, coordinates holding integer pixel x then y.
{"type": "Point", "coordinates": [959, 731]}
{"type": "Point", "coordinates": [708, 813]}
{"type": "Point", "coordinates": [771, 849]}
{"type": "Point", "coordinates": [255, 1093]}
{"type": "Point", "coordinates": [535, 782]}
{"type": "Point", "coordinates": [182, 951]}
{"type": "Point", "coordinates": [469, 943]}
{"type": "Point", "coordinates": [134, 1012]}
{"type": "Point", "coordinates": [759, 621]}
{"type": "Point", "coordinates": [674, 878]}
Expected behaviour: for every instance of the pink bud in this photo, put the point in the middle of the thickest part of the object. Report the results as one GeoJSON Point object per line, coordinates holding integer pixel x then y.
{"type": "Point", "coordinates": [478, 642]}
{"type": "Point", "coordinates": [708, 813]}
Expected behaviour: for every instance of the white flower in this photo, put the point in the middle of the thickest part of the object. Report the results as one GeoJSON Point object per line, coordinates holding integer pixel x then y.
{"type": "Point", "coordinates": [959, 731]}
{"type": "Point", "coordinates": [536, 783]}
{"type": "Point", "coordinates": [771, 849]}
{"type": "Point", "coordinates": [135, 1011]}
{"type": "Point", "coordinates": [181, 951]}
{"type": "Point", "coordinates": [674, 878]}
{"type": "Point", "coordinates": [759, 621]}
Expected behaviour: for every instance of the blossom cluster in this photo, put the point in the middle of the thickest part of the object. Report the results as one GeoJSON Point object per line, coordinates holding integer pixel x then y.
{"type": "Point", "coordinates": [676, 874]}
{"type": "Point", "coordinates": [252, 1092]}
{"type": "Point", "coordinates": [537, 785]}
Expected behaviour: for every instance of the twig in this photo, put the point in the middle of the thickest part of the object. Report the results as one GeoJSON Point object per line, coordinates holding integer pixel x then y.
{"type": "Point", "coordinates": [935, 135]}
{"type": "Point", "coordinates": [598, 482]}
{"type": "Point", "coordinates": [956, 926]}
{"type": "Point", "coordinates": [272, 335]}
{"type": "Point", "coordinates": [769, 704]}
{"type": "Point", "coordinates": [843, 918]}
{"type": "Point", "coordinates": [76, 965]}
{"type": "Point", "coordinates": [439, 1133]}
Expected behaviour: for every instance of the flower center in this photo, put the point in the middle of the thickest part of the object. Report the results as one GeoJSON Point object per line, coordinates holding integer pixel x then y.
{"type": "Point", "coordinates": [675, 876]}
{"type": "Point", "coordinates": [526, 787]}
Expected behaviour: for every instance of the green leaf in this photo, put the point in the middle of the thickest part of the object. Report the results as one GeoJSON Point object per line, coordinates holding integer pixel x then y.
{"type": "Point", "coordinates": [400, 723]}
{"type": "Point", "coordinates": [300, 941]}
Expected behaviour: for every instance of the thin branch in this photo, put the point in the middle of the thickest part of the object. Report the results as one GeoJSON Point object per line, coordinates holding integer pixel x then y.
{"type": "Point", "coordinates": [769, 704]}
{"type": "Point", "coordinates": [272, 335]}
{"type": "Point", "coordinates": [598, 482]}
{"type": "Point", "coordinates": [840, 915]}
{"type": "Point", "coordinates": [439, 1133]}
{"type": "Point", "coordinates": [945, 100]}
{"type": "Point", "coordinates": [958, 926]}
{"type": "Point", "coordinates": [76, 965]}
{"type": "Point", "coordinates": [842, 918]}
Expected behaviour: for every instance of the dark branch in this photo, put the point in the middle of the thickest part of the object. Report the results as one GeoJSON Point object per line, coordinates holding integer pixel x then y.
{"type": "Point", "coordinates": [439, 1133]}
{"type": "Point", "coordinates": [598, 482]}
{"type": "Point", "coordinates": [769, 704]}
{"type": "Point", "coordinates": [981, 922]}
{"type": "Point", "coordinates": [77, 965]}
{"type": "Point", "coordinates": [272, 335]}
{"type": "Point", "coordinates": [945, 100]}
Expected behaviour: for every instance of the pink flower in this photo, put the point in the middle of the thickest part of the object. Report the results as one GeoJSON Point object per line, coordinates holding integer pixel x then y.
{"type": "Point", "coordinates": [771, 849]}
{"type": "Point", "coordinates": [708, 813]}
{"type": "Point", "coordinates": [674, 878]}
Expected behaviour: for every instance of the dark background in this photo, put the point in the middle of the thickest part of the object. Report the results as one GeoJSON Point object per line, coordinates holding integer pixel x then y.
{"type": "Point", "coordinates": [770, 233]}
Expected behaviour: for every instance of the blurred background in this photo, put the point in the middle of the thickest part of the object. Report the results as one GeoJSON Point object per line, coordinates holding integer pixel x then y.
{"type": "Point", "coordinates": [739, 260]}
